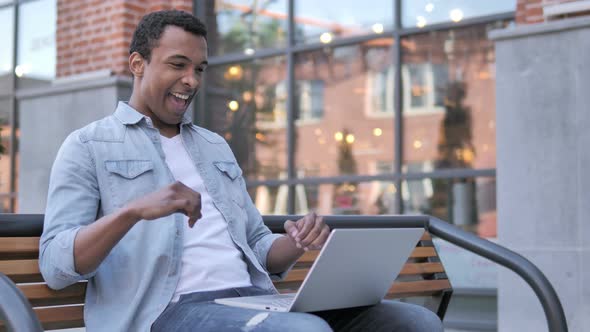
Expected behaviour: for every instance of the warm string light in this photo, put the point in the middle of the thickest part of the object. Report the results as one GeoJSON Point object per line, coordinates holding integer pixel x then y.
{"type": "Point", "coordinates": [378, 28]}
{"type": "Point", "coordinates": [326, 38]}
{"type": "Point", "coordinates": [233, 105]}
{"type": "Point", "coordinates": [456, 15]}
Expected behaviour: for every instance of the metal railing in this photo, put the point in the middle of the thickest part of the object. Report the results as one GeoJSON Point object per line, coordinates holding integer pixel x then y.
{"type": "Point", "coordinates": [16, 312]}
{"type": "Point", "coordinates": [523, 267]}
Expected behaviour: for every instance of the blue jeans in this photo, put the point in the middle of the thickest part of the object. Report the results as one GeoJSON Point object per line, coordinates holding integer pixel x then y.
{"type": "Point", "coordinates": [198, 312]}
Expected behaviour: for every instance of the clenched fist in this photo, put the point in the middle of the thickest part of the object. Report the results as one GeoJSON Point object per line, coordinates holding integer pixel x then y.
{"type": "Point", "coordinates": [173, 198]}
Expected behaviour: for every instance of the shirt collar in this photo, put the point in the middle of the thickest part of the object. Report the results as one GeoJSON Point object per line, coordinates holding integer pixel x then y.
{"type": "Point", "coordinates": [129, 115]}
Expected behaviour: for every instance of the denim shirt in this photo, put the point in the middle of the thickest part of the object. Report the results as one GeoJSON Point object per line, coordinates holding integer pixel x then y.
{"type": "Point", "coordinates": [110, 162]}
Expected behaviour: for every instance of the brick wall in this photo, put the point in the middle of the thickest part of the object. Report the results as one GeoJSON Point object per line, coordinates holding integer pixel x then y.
{"type": "Point", "coordinates": [531, 11]}
{"type": "Point", "coordinates": [95, 35]}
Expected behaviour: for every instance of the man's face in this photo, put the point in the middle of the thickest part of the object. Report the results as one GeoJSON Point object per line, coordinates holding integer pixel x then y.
{"type": "Point", "coordinates": [171, 78]}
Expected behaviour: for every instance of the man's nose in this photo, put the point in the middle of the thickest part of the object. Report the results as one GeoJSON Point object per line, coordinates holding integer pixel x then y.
{"type": "Point", "coordinates": [190, 80]}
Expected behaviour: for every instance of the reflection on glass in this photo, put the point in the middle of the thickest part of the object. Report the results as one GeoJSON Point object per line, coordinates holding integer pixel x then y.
{"type": "Point", "coordinates": [366, 198]}
{"type": "Point", "coordinates": [6, 51]}
{"type": "Point", "coordinates": [420, 13]}
{"type": "Point", "coordinates": [269, 200]}
{"type": "Point", "coordinates": [245, 103]}
{"type": "Point", "coordinates": [243, 26]}
{"type": "Point", "coordinates": [344, 118]}
{"type": "Point", "coordinates": [449, 100]}
{"type": "Point", "coordinates": [274, 200]}
{"type": "Point", "coordinates": [322, 21]}
{"type": "Point", "coordinates": [36, 44]}
{"type": "Point", "coordinates": [5, 132]}
{"type": "Point", "coordinates": [469, 203]}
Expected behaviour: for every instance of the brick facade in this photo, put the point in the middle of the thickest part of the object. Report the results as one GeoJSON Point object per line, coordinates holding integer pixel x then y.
{"type": "Point", "coordinates": [531, 11]}
{"type": "Point", "coordinates": [94, 35]}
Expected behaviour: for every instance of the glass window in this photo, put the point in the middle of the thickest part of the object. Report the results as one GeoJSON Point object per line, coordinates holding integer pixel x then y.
{"type": "Point", "coordinates": [469, 203]}
{"type": "Point", "coordinates": [270, 200]}
{"type": "Point", "coordinates": [245, 103]}
{"type": "Point", "coordinates": [344, 116]}
{"type": "Point", "coordinates": [36, 43]}
{"type": "Point", "coordinates": [242, 26]}
{"type": "Point", "coordinates": [380, 83]}
{"type": "Point", "coordinates": [309, 99]}
{"type": "Point", "coordinates": [5, 132]}
{"type": "Point", "coordinates": [420, 13]}
{"type": "Point", "coordinates": [273, 200]}
{"type": "Point", "coordinates": [7, 49]}
{"type": "Point", "coordinates": [323, 21]}
{"type": "Point", "coordinates": [366, 198]}
{"type": "Point", "coordinates": [449, 99]}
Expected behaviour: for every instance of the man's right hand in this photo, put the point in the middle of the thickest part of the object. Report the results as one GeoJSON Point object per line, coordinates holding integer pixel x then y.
{"type": "Point", "coordinates": [94, 241]}
{"type": "Point", "coordinates": [173, 198]}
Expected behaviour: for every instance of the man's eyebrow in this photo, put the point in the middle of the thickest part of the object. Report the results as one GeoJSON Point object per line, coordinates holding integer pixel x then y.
{"type": "Point", "coordinates": [183, 57]}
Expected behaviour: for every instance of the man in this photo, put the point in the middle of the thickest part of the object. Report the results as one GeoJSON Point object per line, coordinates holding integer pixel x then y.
{"type": "Point", "coordinates": [153, 211]}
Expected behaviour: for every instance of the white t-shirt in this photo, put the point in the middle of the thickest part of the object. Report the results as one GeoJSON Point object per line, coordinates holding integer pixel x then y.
{"type": "Point", "coordinates": [210, 259]}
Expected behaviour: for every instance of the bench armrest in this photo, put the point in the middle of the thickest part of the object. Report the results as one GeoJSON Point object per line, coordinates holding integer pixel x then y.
{"type": "Point", "coordinates": [15, 310]}
{"type": "Point", "coordinates": [530, 273]}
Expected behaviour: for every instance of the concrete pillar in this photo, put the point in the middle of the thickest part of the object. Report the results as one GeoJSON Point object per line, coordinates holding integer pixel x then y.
{"type": "Point", "coordinates": [46, 117]}
{"type": "Point", "coordinates": [543, 166]}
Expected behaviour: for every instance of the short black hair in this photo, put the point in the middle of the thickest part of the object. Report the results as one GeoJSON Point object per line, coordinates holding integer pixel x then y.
{"type": "Point", "coordinates": [151, 26]}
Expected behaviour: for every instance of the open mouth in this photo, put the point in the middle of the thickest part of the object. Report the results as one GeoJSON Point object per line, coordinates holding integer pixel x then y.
{"type": "Point", "coordinates": [180, 100]}
{"type": "Point", "coordinates": [180, 96]}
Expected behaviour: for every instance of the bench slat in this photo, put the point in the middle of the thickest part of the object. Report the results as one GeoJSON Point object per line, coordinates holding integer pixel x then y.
{"type": "Point", "coordinates": [28, 247]}
{"type": "Point", "coordinates": [419, 252]}
{"type": "Point", "coordinates": [28, 270]}
{"type": "Point", "coordinates": [421, 268]}
{"type": "Point", "coordinates": [408, 270]}
{"type": "Point", "coordinates": [61, 317]}
{"type": "Point", "coordinates": [418, 288]}
{"type": "Point", "coordinates": [423, 252]}
{"type": "Point", "coordinates": [294, 275]}
{"type": "Point", "coordinates": [41, 295]}
{"type": "Point", "coordinates": [19, 247]}
{"type": "Point", "coordinates": [21, 270]}
{"type": "Point", "coordinates": [54, 318]}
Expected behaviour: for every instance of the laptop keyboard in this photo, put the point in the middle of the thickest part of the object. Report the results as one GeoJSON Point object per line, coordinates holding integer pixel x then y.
{"type": "Point", "coordinates": [283, 300]}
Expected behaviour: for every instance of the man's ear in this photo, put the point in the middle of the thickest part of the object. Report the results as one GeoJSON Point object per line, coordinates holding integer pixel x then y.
{"type": "Point", "coordinates": [136, 64]}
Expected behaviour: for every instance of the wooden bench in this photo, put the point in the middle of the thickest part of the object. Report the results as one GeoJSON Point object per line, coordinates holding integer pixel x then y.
{"type": "Point", "coordinates": [422, 278]}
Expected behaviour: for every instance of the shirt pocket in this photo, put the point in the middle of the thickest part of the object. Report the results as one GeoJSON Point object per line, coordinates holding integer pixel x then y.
{"type": "Point", "coordinates": [130, 179]}
{"type": "Point", "coordinates": [231, 183]}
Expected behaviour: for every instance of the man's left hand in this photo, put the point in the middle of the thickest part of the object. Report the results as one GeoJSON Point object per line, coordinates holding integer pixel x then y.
{"type": "Point", "coordinates": [309, 232]}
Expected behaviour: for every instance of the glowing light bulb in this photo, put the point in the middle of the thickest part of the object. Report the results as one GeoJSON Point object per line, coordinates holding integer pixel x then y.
{"type": "Point", "coordinates": [350, 138]}
{"type": "Point", "coordinates": [420, 21]}
{"type": "Point", "coordinates": [378, 28]}
{"type": "Point", "coordinates": [456, 15]}
{"type": "Point", "coordinates": [233, 105]}
{"type": "Point", "coordinates": [326, 38]}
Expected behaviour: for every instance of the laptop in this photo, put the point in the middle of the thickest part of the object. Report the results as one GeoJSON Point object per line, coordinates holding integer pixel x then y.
{"type": "Point", "coordinates": [356, 267]}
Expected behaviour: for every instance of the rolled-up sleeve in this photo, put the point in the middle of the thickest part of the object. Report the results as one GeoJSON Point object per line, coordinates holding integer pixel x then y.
{"type": "Point", "coordinates": [72, 202]}
{"type": "Point", "coordinates": [260, 238]}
